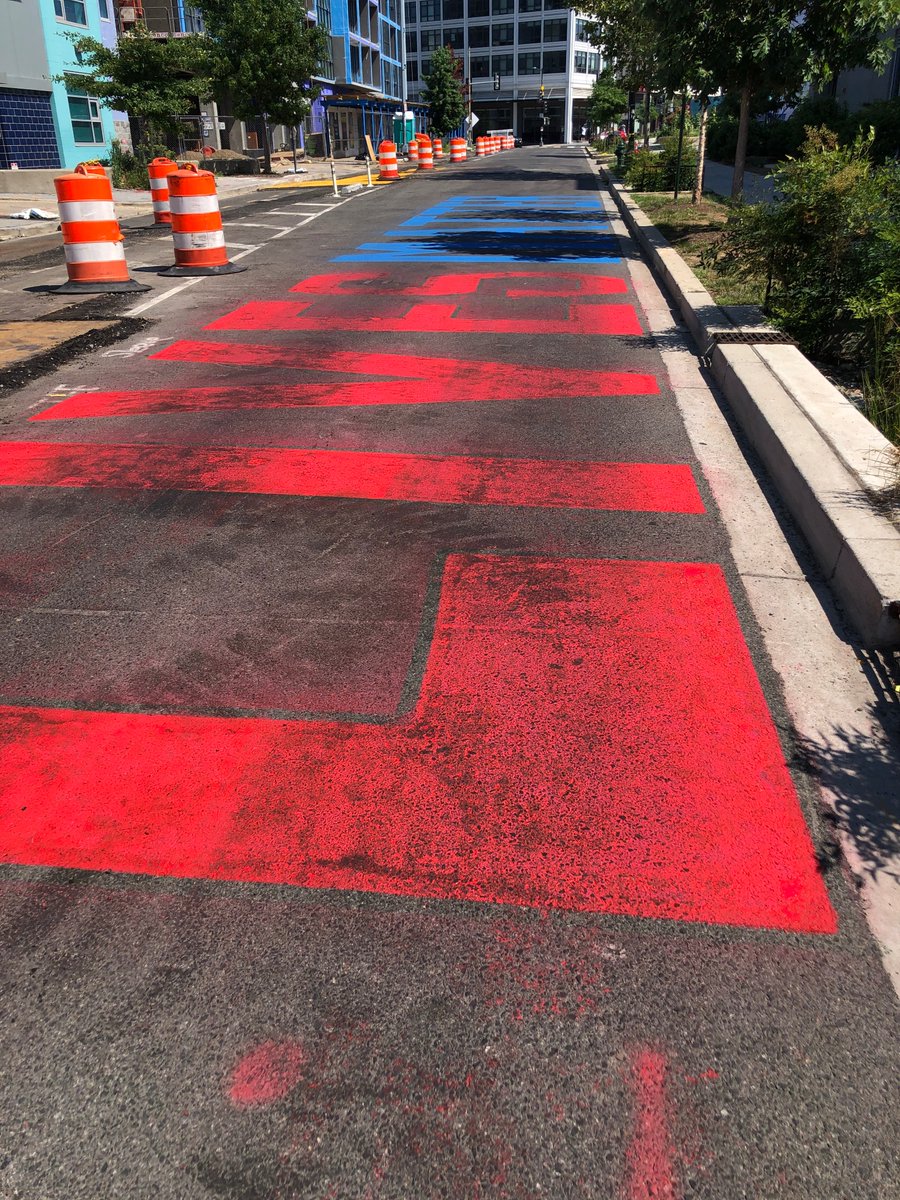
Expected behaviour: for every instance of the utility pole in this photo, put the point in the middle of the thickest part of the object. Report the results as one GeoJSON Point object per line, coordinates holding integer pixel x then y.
{"type": "Point", "coordinates": [543, 109]}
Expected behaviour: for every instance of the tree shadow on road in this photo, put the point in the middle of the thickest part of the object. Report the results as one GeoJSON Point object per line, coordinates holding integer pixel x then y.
{"type": "Point", "coordinates": [861, 776]}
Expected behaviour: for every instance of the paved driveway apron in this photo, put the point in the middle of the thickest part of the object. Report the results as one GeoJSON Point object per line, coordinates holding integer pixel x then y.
{"type": "Point", "coordinates": [396, 798]}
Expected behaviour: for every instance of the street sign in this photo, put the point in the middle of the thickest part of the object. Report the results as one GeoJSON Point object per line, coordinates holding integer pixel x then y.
{"type": "Point", "coordinates": [471, 120]}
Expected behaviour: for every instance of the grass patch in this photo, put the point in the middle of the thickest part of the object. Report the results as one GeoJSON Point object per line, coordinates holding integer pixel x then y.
{"type": "Point", "coordinates": [694, 231]}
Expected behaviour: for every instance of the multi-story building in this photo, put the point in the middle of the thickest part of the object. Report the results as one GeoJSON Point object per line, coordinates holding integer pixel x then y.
{"type": "Point", "coordinates": [45, 122]}
{"type": "Point", "coordinates": [360, 77]}
{"type": "Point", "coordinates": [526, 60]}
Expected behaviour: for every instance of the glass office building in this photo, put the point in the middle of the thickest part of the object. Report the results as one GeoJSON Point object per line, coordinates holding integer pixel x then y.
{"type": "Point", "coordinates": [509, 50]}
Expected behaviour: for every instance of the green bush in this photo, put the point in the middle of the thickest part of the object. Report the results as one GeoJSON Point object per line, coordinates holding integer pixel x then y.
{"type": "Point", "coordinates": [643, 171]}
{"type": "Point", "coordinates": [831, 249]}
{"type": "Point", "coordinates": [775, 139]}
{"type": "Point", "coordinates": [129, 170]}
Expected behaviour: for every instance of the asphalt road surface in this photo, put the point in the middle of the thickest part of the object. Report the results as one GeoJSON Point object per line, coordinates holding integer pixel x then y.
{"type": "Point", "coordinates": [397, 798]}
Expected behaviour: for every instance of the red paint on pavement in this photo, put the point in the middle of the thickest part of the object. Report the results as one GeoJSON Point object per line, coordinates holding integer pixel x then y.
{"type": "Point", "coordinates": [384, 283]}
{"type": "Point", "coordinates": [448, 380]}
{"type": "Point", "coordinates": [282, 315]}
{"type": "Point", "coordinates": [536, 483]}
{"type": "Point", "coordinates": [267, 1074]}
{"type": "Point", "coordinates": [590, 735]}
{"type": "Point", "coordinates": [650, 1155]}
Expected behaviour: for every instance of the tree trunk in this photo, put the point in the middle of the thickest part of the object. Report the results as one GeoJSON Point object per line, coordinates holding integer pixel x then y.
{"type": "Point", "coordinates": [684, 103]}
{"type": "Point", "coordinates": [647, 117]}
{"type": "Point", "coordinates": [701, 152]}
{"type": "Point", "coordinates": [267, 144]}
{"type": "Point", "coordinates": [740, 153]}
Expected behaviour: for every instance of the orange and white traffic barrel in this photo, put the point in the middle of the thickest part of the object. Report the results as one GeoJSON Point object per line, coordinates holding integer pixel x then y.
{"type": "Point", "coordinates": [95, 256]}
{"type": "Point", "coordinates": [387, 161]}
{"type": "Point", "coordinates": [426, 156]}
{"type": "Point", "coordinates": [437, 147]}
{"type": "Point", "coordinates": [412, 151]}
{"type": "Point", "coordinates": [509, 142]}
{"type": "Point", "coordinates": [457, 150]}
{"type": "Point", "coordinates": [197, 224]}
{"type": "Point", "coordinates": [480, 147]}
{"type": "Point", "coordinates": [93, 166]}
{"type": "Point", "coordinates": [159, 171]}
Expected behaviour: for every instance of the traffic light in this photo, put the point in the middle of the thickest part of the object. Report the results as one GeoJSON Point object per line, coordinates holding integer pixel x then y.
{"type": "Point", "coordinates": [497, 83]}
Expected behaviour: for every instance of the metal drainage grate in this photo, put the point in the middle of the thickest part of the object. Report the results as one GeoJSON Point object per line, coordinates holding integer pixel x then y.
{"type": "Point", "coordinates": [751, 337]}
{"type": "Point", "coordinates": [745, 337]}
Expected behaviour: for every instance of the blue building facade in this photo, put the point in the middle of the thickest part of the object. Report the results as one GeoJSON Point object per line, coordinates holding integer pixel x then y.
{"type": "Point", "coordinates": [45, 123]}
{"type": "Point", "coordinates": [84, 128]}
{"type": "Point", "coordinates": [362, 77]}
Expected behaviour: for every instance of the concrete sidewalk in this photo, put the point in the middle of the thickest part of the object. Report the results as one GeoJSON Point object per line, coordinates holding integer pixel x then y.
{"type": "Point", "coordinates": [758, 189]}
{"type": "Point", "coordinates": [132, 203]}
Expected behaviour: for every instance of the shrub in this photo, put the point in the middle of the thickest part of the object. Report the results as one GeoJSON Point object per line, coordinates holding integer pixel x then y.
{"type": "Point", "coordinates": [831, 249]}
{"type": "Point", "coordinates": [129, 169]}
{"type": "Point", "coordinates": [643, 171]}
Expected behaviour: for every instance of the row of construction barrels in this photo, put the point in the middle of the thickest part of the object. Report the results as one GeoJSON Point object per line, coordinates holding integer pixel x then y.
{"type": "Point", "coordinates": [425, 151]}
{"type": "Point", "coordinates": [183, 197]}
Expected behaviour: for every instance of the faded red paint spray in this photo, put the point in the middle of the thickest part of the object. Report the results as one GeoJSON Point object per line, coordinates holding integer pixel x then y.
{"type": "Point", "coordinates": [590, 735]}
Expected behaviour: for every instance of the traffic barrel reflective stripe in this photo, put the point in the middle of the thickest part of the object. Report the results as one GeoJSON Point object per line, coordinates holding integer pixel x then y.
{"type": "Point", "coordinates": [437, 147]}
{"type": "Point", "coordinates": [457, 150]}
{"type": "Point", "coordinates": [480, 147]}
{"type": "Point", "coordinates": [387, 161]}
{"type": "Point", "coordinates": [159, 171]}
{"type": "Point", "coordinates": [426, 157]}
{"type": "Point", "coordinates": [92, 239]}
{"type": "Point", "coordinates": [197, 233]}
{"type": "Point", "coordinates": [413, 151]}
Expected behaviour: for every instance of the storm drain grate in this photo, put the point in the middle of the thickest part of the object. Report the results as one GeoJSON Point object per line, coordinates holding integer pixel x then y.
{"type": "Point", "coordinates": [751, 337]}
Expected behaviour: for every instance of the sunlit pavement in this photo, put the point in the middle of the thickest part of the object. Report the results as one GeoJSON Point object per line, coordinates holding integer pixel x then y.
{"type": "Point", "coordinates": [397, 797]}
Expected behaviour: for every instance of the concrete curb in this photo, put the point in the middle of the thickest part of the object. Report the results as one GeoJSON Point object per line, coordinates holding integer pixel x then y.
{"type": "Point", "coordinates": [827, 461]}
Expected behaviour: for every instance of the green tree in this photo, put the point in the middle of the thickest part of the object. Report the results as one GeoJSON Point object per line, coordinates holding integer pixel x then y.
{"type": "Point", "coordinates": [265, 54]}
{"type": "Point", "coordinates": [154, 80]}
{"type": "Point", "coordinates": [770, 47]}
{"type": "Point", "coordinates": [607, 100]}
{"type": "Point", "coordinates": [443, 92]}
{"type": "Point", "coordinates": [629, 40]}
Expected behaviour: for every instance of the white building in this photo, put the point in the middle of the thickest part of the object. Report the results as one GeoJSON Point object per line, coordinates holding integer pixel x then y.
{"type": "Point", "coordinates": [519, 45]}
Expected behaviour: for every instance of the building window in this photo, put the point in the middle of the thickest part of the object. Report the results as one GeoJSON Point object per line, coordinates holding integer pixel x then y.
{"type": "Point", "coordinates": [72, 11]}
{"type": "Point", "coordinates": [581, 62]}
{"type": "Point", "coordinates": [554, 62]}
{"type": "Point", "coordinates": [502, 64]}
{"type": "Point", "coordinates": [549, 5]}
{"type": "Point", "coordinates": [454, 38]}
{"type": "Point", "coordinates": [430, 10]}
{"type": "Point", "coordinates": [412, 71]}
{"type": "Point", "coordinates": [104, 10]}
{"type": "Point", "coordinates": [502, 35]}
{"type": "Point", "coordinates": [582, 32]}
{"type": "Point", "coordinates": [409, 9]}
{"type": "Point", "coordinates": [479, 8]}
{"type": "Point", "coordinates": [86, 123]}
{"type": "Point", "coordinates": [480, 66]}
{"type": "Point", "coordinates": [526, 6]}
{"type": "Point", "coordinates": [453, 10]}
{"type": "Point", "coordinates": [479, 35]}
{"type": "Point", "coordinates": [500, 8]}
{"type": "Point", "coordinates": [556, 30]}
{"type": "Point", "coordinates": [431, 39]}
{"type": "Point", "coordinates": [529, 33]}
{"type": "Point", "coordinates": [412, 42]}
{"type": "Point", "coordinates": [426, 67]}
{"type": "Point", "coordinates": [593, 63]}
{"type": "Point", "coordinates": [530, 64]}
